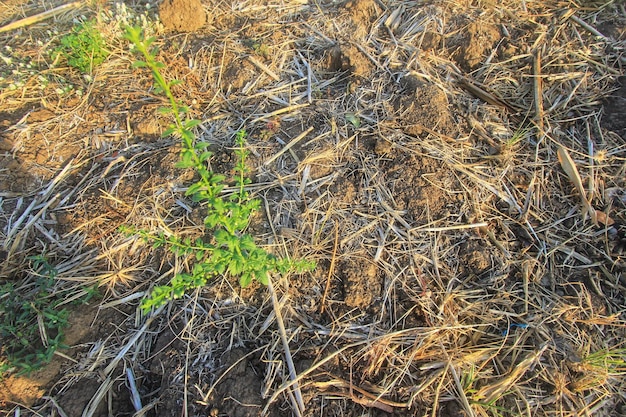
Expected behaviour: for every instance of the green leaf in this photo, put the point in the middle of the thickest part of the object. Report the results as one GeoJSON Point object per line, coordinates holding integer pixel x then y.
{"type": "Point", "coordinates": [139, 64]}
{"type": "Point", "coordinates": [235, 267]}
{"type": "Point", "coordinates": [247, 243]}
{"type": "Point", "coordinates": [168, 131]}
{"type": "Point", "coordinates": [193, 189]}
{"type": "Point", "coordinates": [218, 204]}
{"type": "Point", "coordinates": [191, 123]}
{"type": "Point", "coordinates": [186, 158]}
{"type": "Point", "coordinates": [201, 145]}
{"type": "Point", "coordinates": [132, 33]}
{"type": "Point", "coordinates": [198, 269]}
{"type": "Point", "coordinates": [211, 220]}
{"type": "Point", "coordinates": [354, 119]}
{"type": "Point", "coordinates": [205, 156]}
{"type": "Point", "coordinates": [222, 237]}
{"type": "Point", "coordinates": [182, 165]}
{"type": "Point", "coordinates": [178, 292]}
{"type": "Point", "coordinates": [245, 280]}
{"type": "Point", "coordinates": [240, 137]}
{"type": "Point", "coordinates": [217, 179]}
{"type": "Point", "coordinates": [199, 281]}
{"type": "Point", "coordinates": [220, 267]}
{"type": "Point", "coordinates": [262, 276]}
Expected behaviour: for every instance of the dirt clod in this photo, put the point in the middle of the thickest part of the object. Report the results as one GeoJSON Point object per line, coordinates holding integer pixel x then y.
{"type": "Point", "coordinates": [182, 15]}
{"type": "Point", "coordinates": [615, 109]}
{"type": "Point", "coordinates": [347, 58]}
{"type": "Point", "coordinates": [240, 391]}
{"type": "Point", "coordinates": [361, 282]}
{"type": "Point", "coordinates": [424, 107]}
{"type": "Point", "coordinates": [478, 40]}
{"type": "Point", "coordinates": [362, 12]}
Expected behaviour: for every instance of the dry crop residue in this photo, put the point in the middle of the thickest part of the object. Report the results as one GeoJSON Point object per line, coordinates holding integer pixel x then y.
{"type": "Point", "coordinates": [409, 149]}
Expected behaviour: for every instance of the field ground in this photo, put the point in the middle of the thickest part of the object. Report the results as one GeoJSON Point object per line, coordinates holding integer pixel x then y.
{"type": "Point", "coordinates": [456, 169]}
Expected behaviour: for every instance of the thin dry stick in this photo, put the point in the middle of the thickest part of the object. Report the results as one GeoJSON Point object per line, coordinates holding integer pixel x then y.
{"type": "Point", "coordinates": [569, 166]}
{"type": "Point", "coordinates": [25, 230]}
{"type": "Point", "coordinates": [27, 21]}
{"type": "Point", "coordinates": [459, 386]}
{"type": "Point", "coordinates": [331, 269]}
{"type": "Point", "coordinates": [289, 145]}
{"type": "Point", "coordinates": [404, 334]}
{"type": "Point", "coordinates": [484, 95]}
{"type": "Point", "coordinates": [131, 342]}
{"type": "Point", "coordinates": [264, 68]}
{"type": "Point", "coordinates": [490, 392]}
{"type": "Point", "coordinates": [205, 397]}
{"type": "Point", "coordinates": [279, 111]}
{"type": "Point", "coordinates": [299, 409]}
{"type": "Point", "coordinates": [92, 405]}
{"type": "Point", "coordinates": [438, 390]}
{"type": "Point", "coordinates": [56, 405]}
{"type": "Point", "coordinates": [538, 91]}
{"type": "Point", "coordinates": [448, 228]}
{"type": "Point", "coordinates": [366, 399]}
{"type": "Point", "coordinates": [588, 27]}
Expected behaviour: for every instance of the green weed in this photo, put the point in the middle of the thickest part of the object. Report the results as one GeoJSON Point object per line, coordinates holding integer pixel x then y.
{"type": "Point", "coordinates": [229, 250]}
{"type": "Point", "coordinates": [260, 48]}
{"type": "Point", "coordinates": [31, 322]}
{"type": "Point", "coordinates": [609, 361]}
{"type": "Point", "coordinates": [84, 48]}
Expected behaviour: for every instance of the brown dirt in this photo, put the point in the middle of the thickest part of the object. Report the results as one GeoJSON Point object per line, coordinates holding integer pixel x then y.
{"type": "Point", "coordinates": [447, 247]}
{"type": "Point", "coordinates": [362, 14]}
{"type": "Point", "coordinates": [361, 283]}
{"type": "Point", "coordinates": [79, 338]}
{"type": "Point", "coordinates": [182, 15]}
{"type": "Point", "coordinates": [614, 109]}
{"type": "Point", "coordinates": [422, 187]}
{"type": "Point", "coordinates": [478, 40]}
{"type": "Point", "coordinates": [349, 60]}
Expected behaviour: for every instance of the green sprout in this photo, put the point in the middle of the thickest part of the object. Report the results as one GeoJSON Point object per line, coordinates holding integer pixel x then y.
{"type": "Point", "coordinates": [612, 362]}
{"type": "Point", "coordinates": [229, 250]}
{"type": "Point", "coordinates": [31, 325]}
{"type": "Point", "coordinates": [84, 48]}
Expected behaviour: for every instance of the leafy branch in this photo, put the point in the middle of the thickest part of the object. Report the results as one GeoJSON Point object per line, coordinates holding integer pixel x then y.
{"type": "Point", "coordinates": [229, 250]}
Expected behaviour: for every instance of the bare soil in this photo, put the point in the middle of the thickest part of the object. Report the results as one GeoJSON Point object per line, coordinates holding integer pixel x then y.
{"type": "Point", "coordinates": [457, 274]}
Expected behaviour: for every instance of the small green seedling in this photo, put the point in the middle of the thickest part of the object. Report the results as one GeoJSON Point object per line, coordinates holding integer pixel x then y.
{"type": "Point", "coordinates": [611, 362]}
{"type": "Point", "coordinates": [84, 48]}
{"type": "Point", "coordinates": [229, 250]}
{"type": "Point", "coordinates": [31, 324]}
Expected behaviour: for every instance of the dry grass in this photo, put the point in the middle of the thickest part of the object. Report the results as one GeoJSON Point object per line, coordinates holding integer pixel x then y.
{"type": "Point", "coordinates": [458, 272]}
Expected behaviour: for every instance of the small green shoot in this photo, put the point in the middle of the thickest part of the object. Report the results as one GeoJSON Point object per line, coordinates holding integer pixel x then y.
{"type": "Point", "coordinates": [230, 250]}
{"type": "Point", "coordinates": [612, 362]}
{"type": "Point", "coordinates": [31, 324]}
{"type": "Point", "coordinates": [261, 49]}
{"type": "Point", "coordinates": [84, 48]}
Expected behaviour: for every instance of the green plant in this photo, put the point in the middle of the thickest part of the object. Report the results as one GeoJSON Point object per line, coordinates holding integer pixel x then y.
{"type": "Point", "coordinates": [31, 323]}
{"type": "Point", "coordinates": [32, 318]}
{"type": "Point", "coordinates": [260, 48]}
{"type": "Point", "coordinates": [611, 362]}
{"type": "Point", "coordinates": [229, 249]}
{"type": "Point", "coordinates": [84, 48]}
